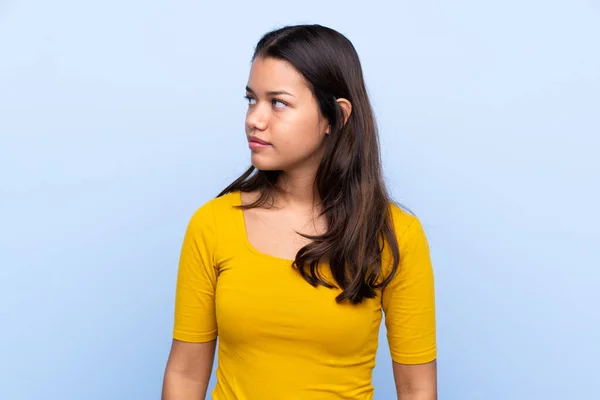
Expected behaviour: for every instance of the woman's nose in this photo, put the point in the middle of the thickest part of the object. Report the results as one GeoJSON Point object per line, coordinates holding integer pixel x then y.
{"type": "Point", "coordinates": [257, 118]}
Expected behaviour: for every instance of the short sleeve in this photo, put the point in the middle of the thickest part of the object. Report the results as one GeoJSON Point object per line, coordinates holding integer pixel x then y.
{"type": "Point", "coordinates": [195, 319]}
{"type": "Point", "coordinates": [409, 302]}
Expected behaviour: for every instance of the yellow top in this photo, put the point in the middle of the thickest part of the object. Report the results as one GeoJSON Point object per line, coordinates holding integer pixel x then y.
{"type": "Point", "coordinates": [279, 337]}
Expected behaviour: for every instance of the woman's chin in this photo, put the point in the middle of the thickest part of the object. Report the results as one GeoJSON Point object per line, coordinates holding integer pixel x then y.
{"type": "Point", "coordinates": [263, 164]}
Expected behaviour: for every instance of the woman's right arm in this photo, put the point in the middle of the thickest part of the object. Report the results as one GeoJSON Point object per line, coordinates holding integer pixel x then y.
{"type": "Point", "coordinates": [192, 353]}
{"type": "Point", "coordinates": [188, 370]}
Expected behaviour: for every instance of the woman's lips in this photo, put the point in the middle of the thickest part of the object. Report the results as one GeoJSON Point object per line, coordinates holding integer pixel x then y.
{"type": "Point", "coordinates": [255, 143]}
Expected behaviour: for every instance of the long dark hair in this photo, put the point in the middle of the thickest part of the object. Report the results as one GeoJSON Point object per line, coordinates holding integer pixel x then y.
{"type": "Point", "coordinates": [349, 180]}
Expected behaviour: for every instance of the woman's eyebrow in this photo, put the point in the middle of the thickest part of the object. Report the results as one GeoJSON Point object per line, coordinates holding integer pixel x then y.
{"type": "Point", "coordinates": [271, 93]}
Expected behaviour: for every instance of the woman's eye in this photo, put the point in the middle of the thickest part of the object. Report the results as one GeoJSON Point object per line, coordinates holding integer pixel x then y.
{"type": "Point", "coordinates": [278, 103]}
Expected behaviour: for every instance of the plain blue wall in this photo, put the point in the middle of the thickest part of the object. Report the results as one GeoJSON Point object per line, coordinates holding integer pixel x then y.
{"type": "Point", "coordinates": [119, 118]}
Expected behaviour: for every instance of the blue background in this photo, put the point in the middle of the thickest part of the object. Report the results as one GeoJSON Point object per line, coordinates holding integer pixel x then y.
{"type": "Point", "coordinates": [119, 118]}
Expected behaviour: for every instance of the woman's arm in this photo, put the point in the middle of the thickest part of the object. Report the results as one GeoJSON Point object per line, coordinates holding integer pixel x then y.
{"type": "Point", "coordinates": [195, 327]}
{"type": "Point", "coordinates": [409, 305]}
{"type": "Point", "coordinates": [416, 382]}
{"type": "Point", "coordinates": [188, 370]}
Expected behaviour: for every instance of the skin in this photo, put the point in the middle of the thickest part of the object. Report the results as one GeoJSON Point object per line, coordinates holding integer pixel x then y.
{"type": "Point", "coordinates": [283, 112]}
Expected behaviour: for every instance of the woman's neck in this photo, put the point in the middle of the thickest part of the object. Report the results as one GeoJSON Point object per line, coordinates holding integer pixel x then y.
{"type": "Point", "coordinates": [297, 191]}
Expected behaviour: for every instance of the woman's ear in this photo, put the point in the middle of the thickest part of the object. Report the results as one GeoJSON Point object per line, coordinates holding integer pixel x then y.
{"type": "Point", "coordinates": [346, 107]}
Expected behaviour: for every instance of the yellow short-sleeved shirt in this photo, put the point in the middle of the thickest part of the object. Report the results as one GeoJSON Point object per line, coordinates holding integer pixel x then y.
{"type": "Point", "coordinates": [279, 337]}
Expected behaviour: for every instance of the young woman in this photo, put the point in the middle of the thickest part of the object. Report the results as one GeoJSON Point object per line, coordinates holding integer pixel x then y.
{"type": "Point", "coordinates": [292, 265]}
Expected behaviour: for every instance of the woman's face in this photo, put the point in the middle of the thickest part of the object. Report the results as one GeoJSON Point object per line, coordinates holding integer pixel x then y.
{"type": "Point", "coordinates": [282, 112]}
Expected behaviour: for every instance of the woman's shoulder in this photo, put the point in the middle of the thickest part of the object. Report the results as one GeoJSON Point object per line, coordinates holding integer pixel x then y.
{"type": "Point", "coordinates": [209, 211]}
{"type": "Point", "coordinates": [220, 203]}
{"type": "Point", "coordinates": [405, 222]}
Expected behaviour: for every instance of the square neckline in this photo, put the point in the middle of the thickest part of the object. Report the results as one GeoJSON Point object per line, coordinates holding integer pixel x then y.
{"type": "Point", "coordinates": [241, 225]}
{"type": "Point", "coordinates": [244, 233]}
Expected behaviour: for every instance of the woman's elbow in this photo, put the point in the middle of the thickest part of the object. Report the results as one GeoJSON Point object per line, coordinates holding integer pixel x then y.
{"type": "Point", "coordinates": [416, 382]}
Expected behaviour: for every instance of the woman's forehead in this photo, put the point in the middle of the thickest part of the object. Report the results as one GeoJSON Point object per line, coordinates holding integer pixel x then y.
{"type": "Point", "coordinates": [273, 76]}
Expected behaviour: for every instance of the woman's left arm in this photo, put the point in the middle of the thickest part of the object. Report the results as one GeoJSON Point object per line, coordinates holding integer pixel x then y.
{"type": "Point", "coordinates": [409, 305]}
{"type": "Point", "coordinates": [416, 382]}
